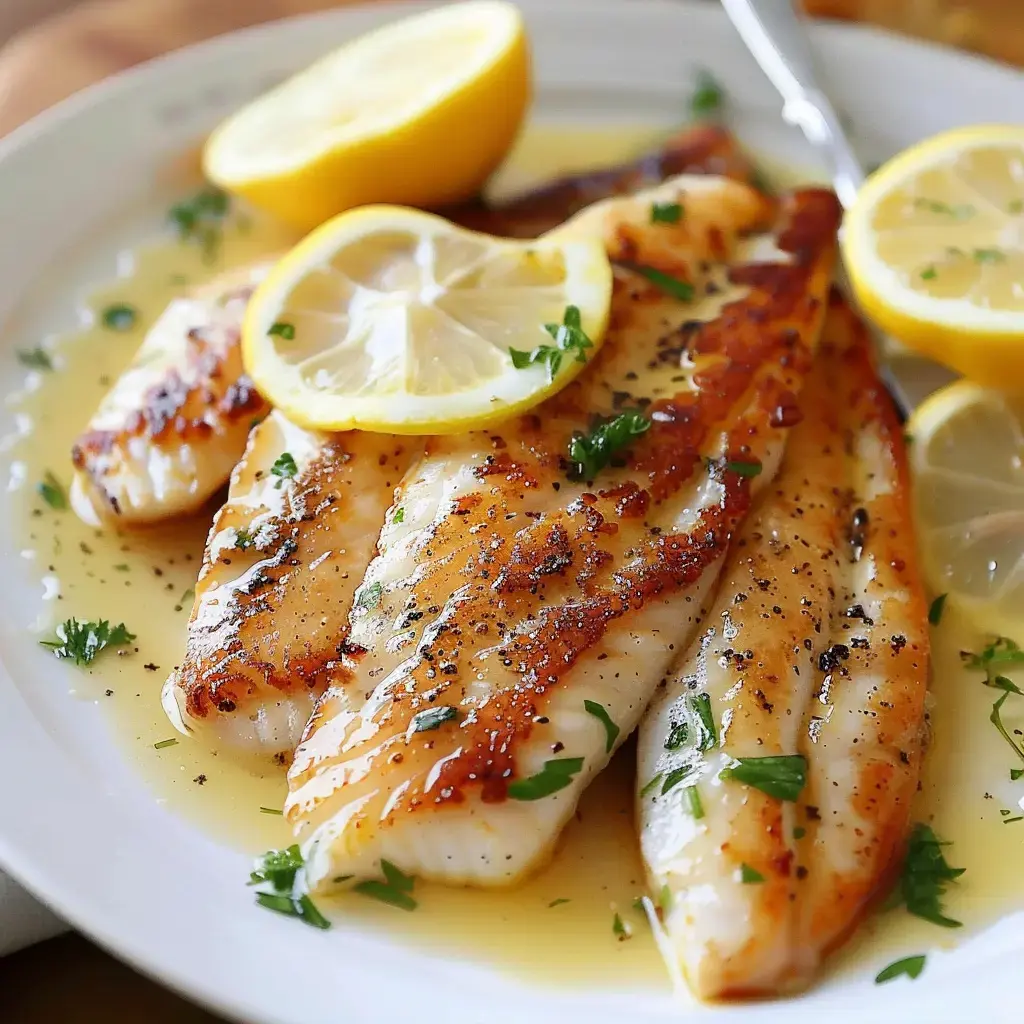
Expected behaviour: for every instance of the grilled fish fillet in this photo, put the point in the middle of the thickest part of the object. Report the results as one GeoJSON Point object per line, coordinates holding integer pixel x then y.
{"type": "Point", "coordinates": [816, 647]}
{"type": "Point", "coordinates": [515, 622]}
{"type": "Point", "coordinates": [171, 429]}
{"type": "Point", "coordinates": [255, 660]}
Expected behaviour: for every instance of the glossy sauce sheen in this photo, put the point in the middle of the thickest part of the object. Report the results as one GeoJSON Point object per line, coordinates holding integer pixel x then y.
{"type": "Point", "coordinates": [143, 578]}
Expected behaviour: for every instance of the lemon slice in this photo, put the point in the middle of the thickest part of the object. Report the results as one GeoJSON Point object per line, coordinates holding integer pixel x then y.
{"type": "Point", "coordinates": [934, 246]}
{"type": "Point", "coordinates": [967, 461]}
{"type": "Point", "coordinates": [389, 319]}
{"type": "Point", "coordinates": [419, 112]}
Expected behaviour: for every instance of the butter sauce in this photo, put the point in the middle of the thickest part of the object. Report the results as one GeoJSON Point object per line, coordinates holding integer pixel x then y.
{"type": "Point", "coordinates": [558, 927]}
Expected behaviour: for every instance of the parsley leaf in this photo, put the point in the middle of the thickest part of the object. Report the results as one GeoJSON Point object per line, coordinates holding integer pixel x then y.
{"type": "Point", "coordinates": [82, 641]}
{"type": "Point", "coordinates": [395, 890]}
{"type": "Point", "coordinates": [369, 595]}
{"type": "Point", "coordinates": [691, 796]}
{"type": "Point", "coordinates": [673, 286]}
{"type": "Point", "coordinates": [741, 468]}
{"type": "Point", "coordinates": [243, 538]}
{"type": "Point", "coordinates": [35, 358]}
{"type": "Point", "coordinates": [119, 317]}
{"type": "Point", "coordinates": [782, 776]}
{"type": "Point", "coordinates": [590, 453]}
{"type": "Point", "coordinates": [301, 907]}
{"type": "Point", "coordinates": [911, 966]}
{"type": "Point", "coordinates": [708, 96]}
{"type": "Point", "coordinates": [677, 775]}
{"type": "Point", "coordinates": [929, 273]}
{"type": "Point", "coordinates": [936, 608]}
{"type": "Point", "coordinates": [666, 213]}
{"type": "Point", "coordinates": [569, 338]}
{"type": "Point", "coordinates": [559, 901]}
{"type": "Point", "coordinates": [620, 929]}
{"type": "Point", "coordinates": [280, 869]}
{"type": "Point", "coordinates": [399, 516]}
{"type": "Point", "coordinates": [925, 876]}
{"type": "Point", "coordinates": [432, 718]}
{"type": "Point", "coordinates": [555, 775]}
{"type": "Point", "coordinates": [165, 743]}
{"type": "Point", "coordinates": [282, 330]}
{"type": "Point", "coordinates": [611, 730]}
{"type": "Point", "coordinates": [200, 219]}
{"type": "Point", "coordinates": [699, 704]}
{"type": "Point", "coordinates": [51, 491]}
{"type": "Point", "coordinates": [996, 719]}
{"type": "Point", "coordinates": [677, 735]}
{"type": "Point", "coordinates": [284, 468]}
{"type": "Point", "coordinates": [749, 876]}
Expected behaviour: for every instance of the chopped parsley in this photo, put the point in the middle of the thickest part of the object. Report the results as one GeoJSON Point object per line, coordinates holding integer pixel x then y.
{"type": "Point", "coordinates": [672, 286]}
{"type": "Point", "coordinates": [395, 890]}
{"type": "Point", "coordinates": [280, 869]}
{"type": "Point", "coordinates": [369, 596]}
{"type": "Point", "coordinates": [989, 256]}
{"type": "Point", "coordinates": [284, 468]}
{"type": "Point", "coordinates": [558, 902]}
{"type": "Point", "coordinates": [677, 735]}
{"type": "Point", "coordinates": [620, 929]}
{"type": "Point", "coordinates": [165, 743]}
{"type": "Point", "coordinates": [648, 786]}
{"type": "Point", "coordinates": [432, 718]}
{"type": "Point", "coordinates": [51, 491]}
{"type": "Point", "coordinates": [1000, 652]}
{"type": "Point", "coordinates": [35, 358]}
{"type": "Point", "coordinates": [569, 338]}
{"type": "Point", "coordinates": [82, 641]}
{"type": "Point", "coordinates": [555, 775]}
{"type": "Point", "coordinates": [911, 966]}
{"type": "Point", "coordinates": [611, 730]}
{"type": "Point", "coordinates": [996, 719]}
{"type": "Point", "coordinates": [960, 211]}
{"type": "Point", "coordinates": [782, 776]}
{"type": "Point", "coordinates": [674, 777]}
{"type": "Point", "coordinates": [691, 797]}
{"type": "Point", "coordinates": [590, 453]}
{"type": "Point", "coordinates": [1016, 773]}
{"type": "Point", "coordinates": [935, 609]}
{"type": "Point", "coordinates": [243, 538]}
{"type": "Point", "coordinates": [700, 706]}
{"type": "Point", "coordinates": [273, 810]}
{"type": "Point", "coordinates": [200, 219]}
{"type": "Point", "coordinates": [929, 273]}
{"type": "Point", "coordinates": [666, 213]}
{"type": "Point", "coordinates": [924, 878]}
{"type": "Point", "coordinates": [708, 96]}
{"type": "Point", "coordinates": [282, 330]}
{"type": "Point", "coordinates": [749, 876]}
{"type": "Point", "coordinates": [119, 317]}
{"type": "Point", "coordinates": [741, 468]}
{"type": "Point", "coordinates": [399, 516]}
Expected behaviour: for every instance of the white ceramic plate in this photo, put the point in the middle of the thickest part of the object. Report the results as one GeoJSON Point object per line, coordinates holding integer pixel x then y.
{"type": "Point", "coordinates": [76, 826]}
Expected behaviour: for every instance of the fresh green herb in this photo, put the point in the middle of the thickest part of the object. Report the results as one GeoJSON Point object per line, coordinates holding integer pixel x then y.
{"type": "Point", "coordinates": [749, 876]}
{"type": "Point", "coordinates": [989, 256]}
{"type": "Point", "coordinates": [961, 211]}
{"type": "Point", "coordinates": [35, 358]}
{"type": "Point", "coordinates": [648, 786]}
{"type": "Point", "coordinates": [200, 219]}
{"type": "Point", "coordinates": [1001, 651]}
{"type": "Point", "coordinates": [1016, 773]}
{"type": "Point", "coordinates": [708, 96]}
{"type": "Point", "coordinates": [672, 286]}
{"type": "Point", "coordinates": [555, 775]}
{"type": "Point", "coordinates": [925, 877]}
{"type": "Point", "coordinates": [590, 453]}
{"type": "Point", "coordinates": [677, 735]}
{"type": "Point", "coordinates": [1002, 683]}
{"type": "Point", "coordinates": [700, 705]}
{"type": "Point", "coordinates": [338, 879]}
{"type": "Point", "coordinates": [929, 273]}
{"type": "Point", "coordinates": [185, 599]}
{"type": "Point", "coordinates": [782, 776]}
{"type": "Point", "coordinates": [119, 317]}
{"type": "Point", "coordinates": [301, 907]}
{"type": "Point", "coordinates": [665, 899]}
{"type": "Point", "coordinates": [399, 516]}
{"type": "Point", "coordinates": [284, 468]}
{"type": "Point", "coordinates": [1015, 206]}
{"type": "Point", "coordinates": [935, 609]}
{"type": "Point", "coordinates": [611, 730]}
{"type": "Point", "coordinates": [799, 832]}
{"type": "Point", "coordinates": [620, 929]}
{"type": "Point", "coordinates": [282, 330]}
{"type": "Point", "coordinates": [51, 491]}
{"type": "Point", "coordinates": [243, 538]}
{"type": "Point", "coordinates": [273, 810]}
{"type": "Point", "coordinates": [674, 777]}
{"type": "Point", "coordinates": [369, 595]}
{"type": "Point", "coordinates": [691, 797]}
{"type": "Point", "coordinates": [745, 469]}
{"type": "Point", "coordinates": [279, 868]}
{"type": "Point", "coordinates": [569, 338]}
{"type": "Point", "coordinates": [395, 890]}
{"type": "Point", "coordinates": [165, 743]}
{"type": "Point", "coordinates": [1010, 821]}
{"type": "Point", "coordinates": [122, 567]}
{"type": "Point", "coordinates": [559, 901]}
{"type": "Point", "coordinates": [666, 213]}
{"type": "Point", "coordinates": [996, 719]}
{"type": "Point", "coordinates": [432, 718]}
{"type": "Point", "coordinates": [911, 966]}
{"type": "Point", "coordinates": [82, 641]}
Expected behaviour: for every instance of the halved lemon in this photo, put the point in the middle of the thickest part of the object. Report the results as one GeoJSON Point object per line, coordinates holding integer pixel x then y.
{"type": "Point", "coordinates": [389, 319]}
{"type": "Point", "coordinates": [934, 246]}
{"type": "Point", "coordinates": [967, 461]}
{"type": "Point", "coordinates": [418, 112]}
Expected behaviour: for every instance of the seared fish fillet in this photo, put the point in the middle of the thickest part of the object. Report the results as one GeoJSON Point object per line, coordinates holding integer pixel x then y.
{"type": "Point", "coordinates": [516, 621]}
{"type": "Point", "coordinates": [816, 648]}
{"type": "Point", "coordinates": [255, 661]}
{"type": "Point", "coordinates": [171, 429]}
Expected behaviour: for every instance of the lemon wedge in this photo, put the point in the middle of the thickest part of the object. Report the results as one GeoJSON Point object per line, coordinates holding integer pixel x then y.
{"type": "Point", "coordinates": [419, 112]}
{"type": "Point", "coordinates": [967, 463]}
{"type": "Point", "coordinates": [388, 319]}
{"type": "Point", "coordinates": [934, 246]}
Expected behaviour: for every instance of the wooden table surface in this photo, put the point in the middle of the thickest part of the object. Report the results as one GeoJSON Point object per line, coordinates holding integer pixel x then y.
{"type": "Point", "coordinates": [68, 980]}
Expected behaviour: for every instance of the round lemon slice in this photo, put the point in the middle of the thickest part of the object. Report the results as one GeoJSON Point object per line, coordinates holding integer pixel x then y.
{"type": "Point", "coordinates": [389, 319]}
{"type": "Point", "coordinates": [967, 461]}
{"type": "Point", "coordinates": [934, 246]}
{"type": "Point", "coordinates": [419, 112]}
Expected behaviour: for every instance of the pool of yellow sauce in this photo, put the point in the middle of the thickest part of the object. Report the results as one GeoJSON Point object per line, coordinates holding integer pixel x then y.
{"type": "Point", "coordinates": [558, 927]}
